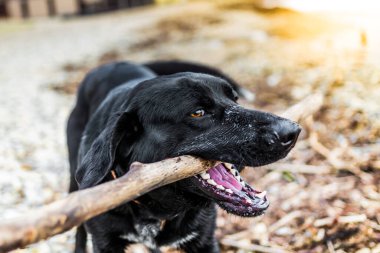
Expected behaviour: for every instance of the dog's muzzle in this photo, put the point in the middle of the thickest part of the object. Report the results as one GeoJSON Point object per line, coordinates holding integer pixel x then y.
{"type": "Point", "coordinates": [224, 184]}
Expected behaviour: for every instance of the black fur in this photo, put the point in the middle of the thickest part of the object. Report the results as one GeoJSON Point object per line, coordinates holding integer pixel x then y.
{"type": "Point", "coordinates": [126, 112]}
{"type": "Point", "coordinates": [172, 67]}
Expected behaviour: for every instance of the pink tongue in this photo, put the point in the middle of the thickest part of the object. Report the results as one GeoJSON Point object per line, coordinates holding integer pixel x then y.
{"type": "Point", "coordinates": [222, 177]}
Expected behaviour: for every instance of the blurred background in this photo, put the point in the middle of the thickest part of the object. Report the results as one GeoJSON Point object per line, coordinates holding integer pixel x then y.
{"type": "Point", "coordinates": [325, 196]}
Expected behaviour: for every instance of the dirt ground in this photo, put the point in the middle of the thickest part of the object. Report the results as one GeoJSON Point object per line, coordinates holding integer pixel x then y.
{"type": "Point", "coordinates": [325, 196]}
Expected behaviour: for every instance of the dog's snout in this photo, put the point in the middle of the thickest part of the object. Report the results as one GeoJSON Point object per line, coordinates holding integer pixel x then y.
{"type": "Point", "coordinates": [286, 132]}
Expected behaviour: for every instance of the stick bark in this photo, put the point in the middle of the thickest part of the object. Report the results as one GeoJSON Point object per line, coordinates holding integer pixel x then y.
{"type": "Point", "coordinates": [80, 206]}
{"type": "Point", "coordinates": [306, 107]}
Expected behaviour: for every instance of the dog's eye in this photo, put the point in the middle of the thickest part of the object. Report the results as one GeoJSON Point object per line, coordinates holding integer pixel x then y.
{"type": "Point", "coordinates": [198, 113]}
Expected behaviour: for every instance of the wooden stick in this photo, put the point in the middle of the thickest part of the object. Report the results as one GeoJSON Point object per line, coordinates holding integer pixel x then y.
{"type": "Point", "coordinates": [306, 107]}
{"type": "Point", "coordinates": [80, 206]}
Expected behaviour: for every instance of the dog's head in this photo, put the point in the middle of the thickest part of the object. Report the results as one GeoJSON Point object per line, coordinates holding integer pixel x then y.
{"type": "Point", "coordinates": [192, 114]}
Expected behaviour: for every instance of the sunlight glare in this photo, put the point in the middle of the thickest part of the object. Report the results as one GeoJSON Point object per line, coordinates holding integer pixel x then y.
{"type": "Point", "coordinates": [356, 6]}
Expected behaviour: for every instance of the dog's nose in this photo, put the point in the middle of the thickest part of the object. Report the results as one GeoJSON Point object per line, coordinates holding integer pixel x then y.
{"type": "Point", "coordinates": [286, 132]}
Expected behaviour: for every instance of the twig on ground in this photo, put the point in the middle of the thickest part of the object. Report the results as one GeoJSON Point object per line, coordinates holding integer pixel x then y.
{"type": "Point", "coordinates": [252, 247]}
{"type": "Point", "coordinates": [328, 221]}
{"type": "Point", "coordinates": [328, 154]}
{"type": "Point", "coordinates": [285, 220]}
{"type": "Point", "coordinates": [299, 168]}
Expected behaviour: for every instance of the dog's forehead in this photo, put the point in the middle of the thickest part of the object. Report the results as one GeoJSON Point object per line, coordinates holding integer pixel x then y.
{"type": "Point", "coordinates": [186, 86]}
{"type": "Point", "coordinates": [204, 82]}
{"type": "Point", "coordinates": [175, 95]}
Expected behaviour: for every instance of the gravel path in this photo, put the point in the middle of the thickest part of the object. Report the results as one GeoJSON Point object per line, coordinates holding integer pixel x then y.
{"type": "Point", "coordinates": [33, 156]}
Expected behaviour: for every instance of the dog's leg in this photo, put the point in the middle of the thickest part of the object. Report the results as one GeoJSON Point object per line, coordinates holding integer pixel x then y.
{"type": "Point", "coordinates": [108, 232]}
{"type": "Point", "coordinates": [80, 240]}
{"type": "Point", "coordinates": [111, 246]}
{"type": "Point", "coordinates": [210, 246]}
{"type": "Point", "coordinates": [204, 238]}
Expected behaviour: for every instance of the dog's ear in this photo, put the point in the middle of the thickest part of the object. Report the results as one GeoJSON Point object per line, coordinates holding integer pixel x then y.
{"type": "Point", "coordinates": [100, 158]}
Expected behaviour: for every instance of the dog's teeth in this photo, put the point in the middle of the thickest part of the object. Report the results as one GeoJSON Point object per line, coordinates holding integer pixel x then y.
{"type": "Point", "coordinates": [261, 195]}
{"type": "Point", "coordinates": [235, 172]}
{"type": "Point", "coordinates": [228, 165]}
{"type": "Point", "coordinates": [205, 175]}
{"type": "Point", "coordinates": [220, 187]}
{"type": "Point", "coordinates": [212, 182]}
{"type": "Point", "coordinates": [229, 191]}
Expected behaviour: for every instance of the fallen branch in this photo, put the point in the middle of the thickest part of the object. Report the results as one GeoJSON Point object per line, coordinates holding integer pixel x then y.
{"type": "Point", "coordinates": [306, 107]}
{"type": "Point", "coordinates": [80, 206]}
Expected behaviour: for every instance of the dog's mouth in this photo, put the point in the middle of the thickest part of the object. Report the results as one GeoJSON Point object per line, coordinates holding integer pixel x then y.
{"type": "Point", "coordinates": [223, 184]}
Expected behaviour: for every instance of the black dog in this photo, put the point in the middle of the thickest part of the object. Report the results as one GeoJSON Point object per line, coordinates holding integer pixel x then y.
{"type": "Point", "coordinates": [127, 112]}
